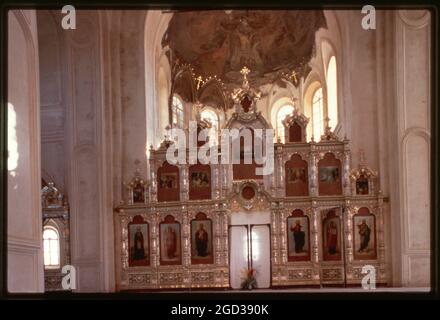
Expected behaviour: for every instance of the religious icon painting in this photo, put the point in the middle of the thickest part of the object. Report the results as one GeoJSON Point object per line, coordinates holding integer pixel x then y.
{"type": "Point", "coordinates": [362, 185]}
{"type": "Point", "coordinates": [168, 181]}
{"type": "Point", "coordinates": [295, 175]}
{"type": "Point", "coordinates": [168, 188]}
{"type": "Point", "coordinates": [138, 193]}
{"type": "Point", "coordinates": [329, 174]}
{"type": "Point", "coordinates": [170, 248]}
{"type": "Point", "coordinates": [201, 240]}
{"type": "Point", "coordinates": [138, 243]}
{"type": "Point", "coordinates": [331, 236]}
{"type": "Point", "coordinates": [364, 235]}
{"type": "Point", "coordinates": [298, 237]}
{"type": "Point", "coordinates": [200, 179]}
{"type": "Point", "coordinates": [200, 182]}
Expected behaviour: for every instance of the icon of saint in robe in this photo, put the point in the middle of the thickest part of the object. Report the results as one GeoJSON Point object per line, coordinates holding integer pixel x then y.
{"type": "Point", "coordinates": [332, 238]}
{"type": "Point", "coordinates": [139, 250]}
{"type": "Point", "coordinates": [298, 237]}
{"type": "Point", "coordinates": [364, 233]}
{"type": "Point", "coordinates": [201, 241]}
{"type": "Point", "coordinates": [170, 243]}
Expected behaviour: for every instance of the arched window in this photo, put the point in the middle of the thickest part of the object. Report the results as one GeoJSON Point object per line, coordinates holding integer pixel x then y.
{"type": "Point", "coordinates": [211, 117]}
{"type": "Point", "coordinates": [177, 112]}
{"type": "Point", "coordinates": [12, 139]}
{"type": "Point", "coordinates": [51, 247]}
{"type": "Point", "coordinates": [317, 114]}
{"type": "Point", "coordinates": [332, 94]}
{"type": "Point", "coordinates": [281, 115]}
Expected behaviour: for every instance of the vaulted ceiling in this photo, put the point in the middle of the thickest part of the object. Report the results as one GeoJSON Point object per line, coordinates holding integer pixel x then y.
{"type": "Point", "coordinates": [221, 43]}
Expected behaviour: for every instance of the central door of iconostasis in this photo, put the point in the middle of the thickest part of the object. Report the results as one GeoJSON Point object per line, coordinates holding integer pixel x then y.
{"type": "Point", "coordinates": [249, 248]}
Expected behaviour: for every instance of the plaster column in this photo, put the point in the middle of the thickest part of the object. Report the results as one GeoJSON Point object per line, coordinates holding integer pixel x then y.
{"type": "Point", "coordinates": [413, 102]}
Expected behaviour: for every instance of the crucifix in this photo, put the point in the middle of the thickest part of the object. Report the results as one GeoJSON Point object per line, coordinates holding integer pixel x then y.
{"type": "Point", "coordinates": [199, 80]}
{"type": "Point", "coordinates": [294, 78]}
{"type": "Point", "coordinates": [245, 71]}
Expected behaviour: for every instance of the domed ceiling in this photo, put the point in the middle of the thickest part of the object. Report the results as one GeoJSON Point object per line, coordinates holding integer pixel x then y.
{"type": "Point", "coordinates": [220, 43]}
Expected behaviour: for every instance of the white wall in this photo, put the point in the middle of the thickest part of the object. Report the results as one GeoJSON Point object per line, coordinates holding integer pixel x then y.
{"type": "Point", "coordinates": [25, 258]}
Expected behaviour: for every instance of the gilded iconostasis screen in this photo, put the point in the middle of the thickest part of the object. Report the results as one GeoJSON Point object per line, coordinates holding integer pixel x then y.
{"type": "Point", "coordinates": [219, 149]}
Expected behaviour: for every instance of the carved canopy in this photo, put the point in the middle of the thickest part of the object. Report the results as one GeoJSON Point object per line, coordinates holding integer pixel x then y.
{"type": "Point", "coordinates": [295, 126]}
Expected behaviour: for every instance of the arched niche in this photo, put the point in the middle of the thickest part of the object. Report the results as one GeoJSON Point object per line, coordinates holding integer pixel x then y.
{"type": "Point", "coordinates": [168, 184]}
{"type": "Point", "coordinates": [297, 181]}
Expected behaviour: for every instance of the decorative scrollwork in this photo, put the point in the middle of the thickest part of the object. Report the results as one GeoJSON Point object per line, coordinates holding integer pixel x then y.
{"type": "Point", "coordinates": [329, 135]}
